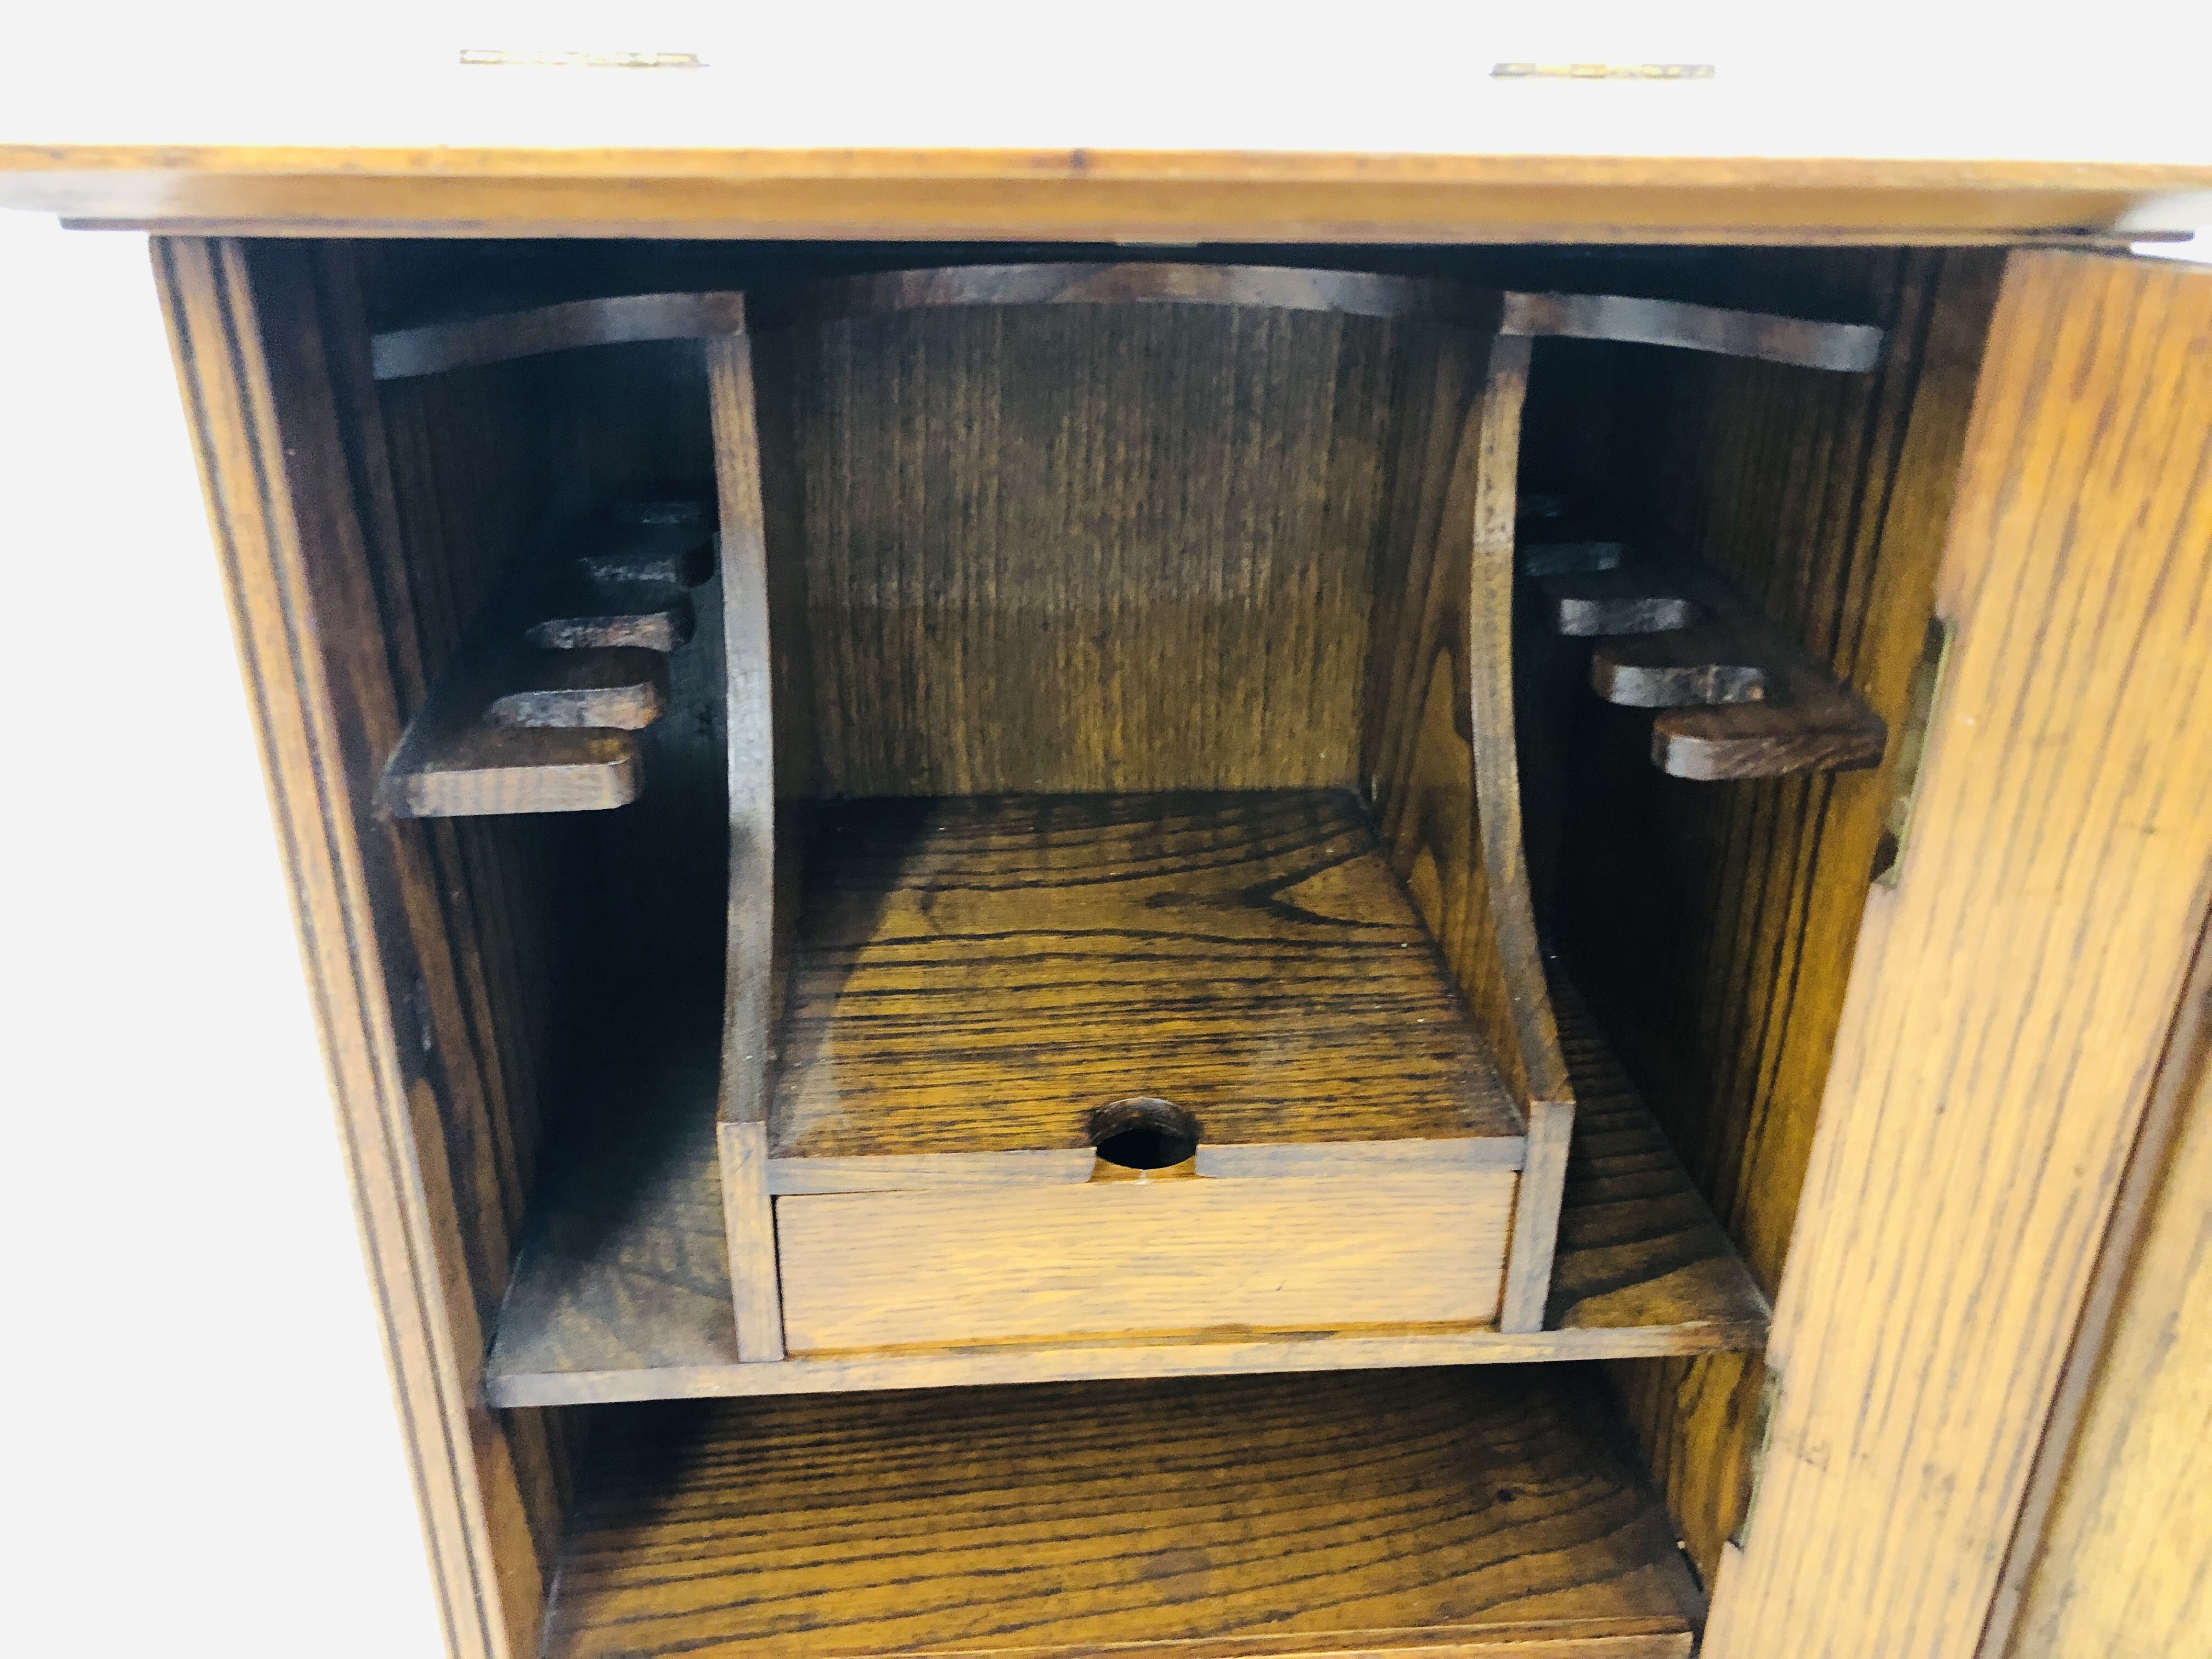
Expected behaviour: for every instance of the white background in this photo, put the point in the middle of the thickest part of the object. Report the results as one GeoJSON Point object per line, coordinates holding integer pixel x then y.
{"type": "Point", "coordinates": [198, 1448]}
{"type": "Point", "coordinates": [200, 1455]}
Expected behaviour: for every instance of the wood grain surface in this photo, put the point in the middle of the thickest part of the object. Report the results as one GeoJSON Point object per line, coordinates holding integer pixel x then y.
{"type": "Point", "coordinates": [978, 975]}
{"type": "Point", "coordinates": [1439, 748]}
{"type": "Point", "coordinates": [2015, 985]}
{"type": "Point", "coordinates": [1135, 1259]}
{"type": "Point", "coordinates": [752, 986]}
{"type": "Point", "coordinates": [1278, 288]}
{"type": "Point", "coordinates": [622, 1288]}
{"type": "Point", "coordinates": [1743, 699]}
{"type": "Point", "coordinates": [561, 662]}
{"type": "Point", "coordinates": [1157, 196]}
{"type": "Point", "coordinates": [1465, 1511]}
{"type": "Point", "coordinates": [1093, 548]}
{"type": "Point", "coordinates": [615, 319]}
{"type": "Point", "coordinates": [1713, 927]}
{"type": "Point", "coordinates": [1799, 340]}
{"type": "Point", "coordinates": [2116, 1563]}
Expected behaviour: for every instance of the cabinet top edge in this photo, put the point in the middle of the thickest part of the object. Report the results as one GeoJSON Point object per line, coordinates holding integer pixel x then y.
{"type": "Point", "coordinates": [1108, 194]}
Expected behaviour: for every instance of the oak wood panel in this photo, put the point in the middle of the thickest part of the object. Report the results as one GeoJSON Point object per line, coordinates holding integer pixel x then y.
{"type": "Point", "coordinates": [273, 367]}
{"type": "Point", "coordinates": [1440, 1509]}
{"type": "Point", "coordinates": [622, 1287]}
{"type": "Point", "coordinates": [977, 975]}
{"type": "Point", "coordinates": [432, 347]}
{"type": "Point", "coordinates": [2013, 988]}
{"type": "Point", "coordinates": [1093, 548]}
{"type": "Point", "coordinates": [1439, 748]}
{"type": "Point", "coordinates": [1106, 195]}
{"type": "Point", "coordinates": [751, 991]}
{"type": "Point", "coordinates": [2119, 1561]}
{"type": "Point", "coordinates": [1284, 287]}
{"type": "Point", "coordinates": [1713, 925]}
{"type": "Point", "coordinates": [1129, 1258]}
{"type": "Point", "coordinates": [1803, 340]}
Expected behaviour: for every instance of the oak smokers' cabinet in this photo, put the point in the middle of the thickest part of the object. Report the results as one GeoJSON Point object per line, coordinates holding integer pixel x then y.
{"type": "Point", "coordinates": [1065, 855]}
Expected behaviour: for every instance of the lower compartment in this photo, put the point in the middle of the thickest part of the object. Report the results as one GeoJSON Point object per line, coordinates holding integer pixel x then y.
{"type": "Point", "coordinates": [1441, 1510]}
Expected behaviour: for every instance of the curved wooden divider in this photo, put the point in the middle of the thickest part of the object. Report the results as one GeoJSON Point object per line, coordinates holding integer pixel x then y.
{"type": "Point", "coordinates": [1852, 348]}
{"type": "Point", "coordinates": [497, 337]}
{"type": "Point", "coordinates": [1279, 288]}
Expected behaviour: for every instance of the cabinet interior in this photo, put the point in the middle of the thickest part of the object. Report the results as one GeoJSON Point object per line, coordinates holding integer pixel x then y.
{"type": "Point", "coordinates": [1004, 682]}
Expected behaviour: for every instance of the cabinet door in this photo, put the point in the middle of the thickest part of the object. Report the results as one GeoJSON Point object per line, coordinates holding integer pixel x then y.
{"type": "Point", "coordinates": [2013, 1005]}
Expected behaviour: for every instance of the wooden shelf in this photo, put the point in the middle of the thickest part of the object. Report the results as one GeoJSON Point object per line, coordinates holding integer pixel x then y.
{"type": "Point", "coordinates": [1738, 697]}
{"type": "Point", "coordinates": [622, 1290]}
{"type": "Point", "coordinates": [1437, 1510]}
{"type": "Point", "coordinates": [972, 975]}
{"type": "Point", "coordinates": [538, 711]}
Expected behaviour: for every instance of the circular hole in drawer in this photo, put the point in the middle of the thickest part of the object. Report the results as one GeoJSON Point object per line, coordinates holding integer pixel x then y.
{"type": "Point", "coordinates": [1144, 1131]}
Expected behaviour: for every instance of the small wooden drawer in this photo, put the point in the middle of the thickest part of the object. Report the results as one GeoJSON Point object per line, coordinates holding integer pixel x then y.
{"type": "Point", "coordinates": [1167, 1257]}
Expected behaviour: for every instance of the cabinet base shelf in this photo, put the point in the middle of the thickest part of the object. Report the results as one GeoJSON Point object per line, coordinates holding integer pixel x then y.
{"type": "Point", "coordinates": [1434, 1511]}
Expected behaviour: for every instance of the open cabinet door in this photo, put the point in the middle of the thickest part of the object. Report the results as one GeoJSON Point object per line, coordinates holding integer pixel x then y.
{"type": "Point", "coordinates": [2019, 1009]}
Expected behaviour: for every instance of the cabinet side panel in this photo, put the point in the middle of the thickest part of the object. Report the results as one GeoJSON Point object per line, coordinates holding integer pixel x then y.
{"type": "Point", "coordinates": [1713, 925]}
{"type": "Point", "coordinates": [2015, 986]}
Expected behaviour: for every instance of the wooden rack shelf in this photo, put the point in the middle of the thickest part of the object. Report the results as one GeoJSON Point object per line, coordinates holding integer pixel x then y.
{"type": "Point", "coordinates": [1739, 697]}
{"type": "Point", "coordinates": [622, 1290]}
{"type": "Point", "coordinates": [538, 711]}
{"type": "Point", "coordinates": [1439, 1510]}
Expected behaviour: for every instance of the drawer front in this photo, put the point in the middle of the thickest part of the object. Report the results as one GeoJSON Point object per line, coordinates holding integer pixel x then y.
{"type": "Point", "coordinates": [1151, 1258]}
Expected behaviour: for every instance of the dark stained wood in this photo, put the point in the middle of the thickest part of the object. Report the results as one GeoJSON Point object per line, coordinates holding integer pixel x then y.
{"type": "Point", "coordinates": [623, 1290]}
{"type": "Point", "coordinates": [1802, 718]}
{"type": "Point", "coordinates": [1277, 1516]}
{"type": "Point", "coordinates": [1843, 346]}
{"type": "Point", "coordinates": [586, 614]}
{"type": "Point", "coordinates": [621, 687]}
{"type": "Point", "coordinates": [1274, 287]}
{"type": "Point", "coordinates": [1713, 929]}
{"type": "Point", "coordinates": [1441, 748]}
{"type": "Point", "coordinates": [978, 975]}
{"type": "Point", "coordinates": [1540, 556]}
{"type": "Point", "coordinates": [534, 708]}
{"type": "Point", "coordinates": [1701, 665]}
{"type": "Point", "coordinates": [1093, 548]}
{"type": "Point", "coordinates": [1676, 635]}
{"type": "Point", "coordinates": [751, 994]}
{"type": "Point", "coordinates": [1596, 603]}
{"type": "Point", "coordinates": [663, 541]}
{"type": "Point", "coordinates": [616, 319]}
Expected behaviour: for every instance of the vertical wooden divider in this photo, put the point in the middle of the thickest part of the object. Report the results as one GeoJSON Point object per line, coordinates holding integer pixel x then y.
{"type": "Point", "coordinates": [749, 993]}
{"type": "Point", "coordinates": [1527, 1036]}
{"type": "Point", "coordinates": [1443, 765]}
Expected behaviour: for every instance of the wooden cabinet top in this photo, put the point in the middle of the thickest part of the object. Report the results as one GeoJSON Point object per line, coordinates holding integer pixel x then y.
{"type": "Point", "coordinates": [1155, 124]}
